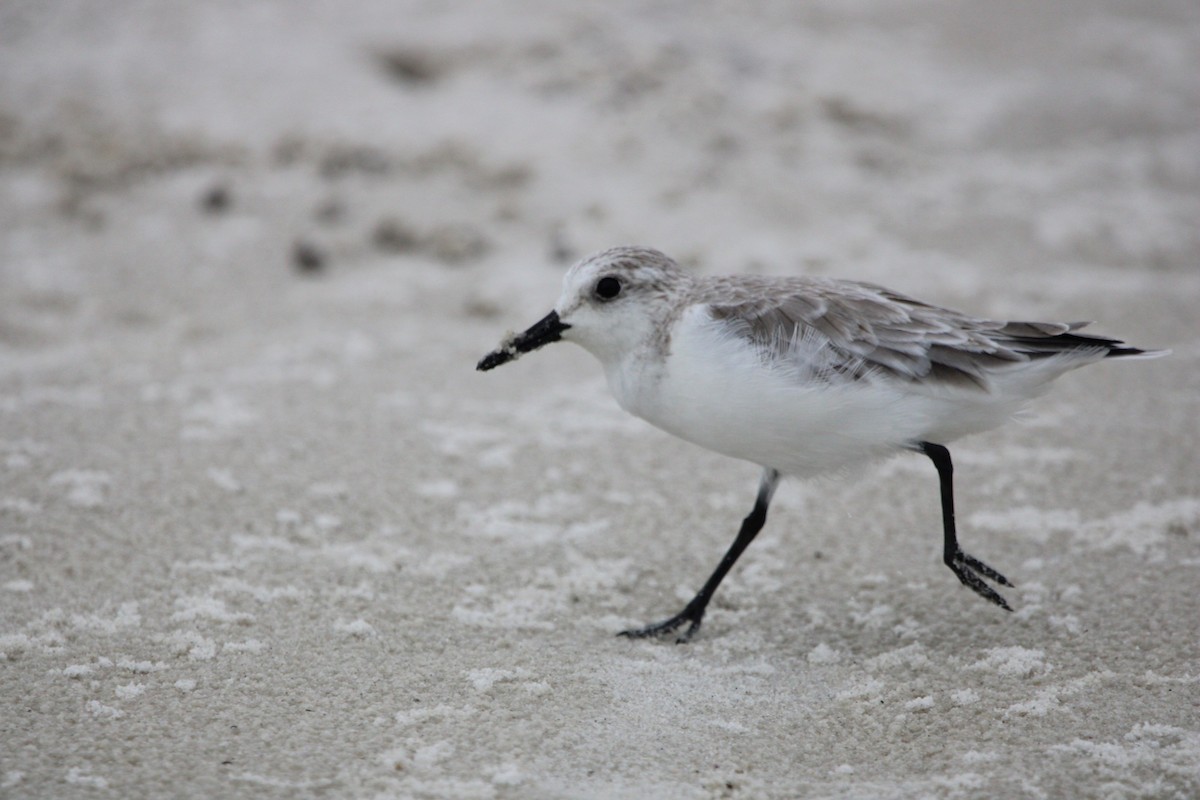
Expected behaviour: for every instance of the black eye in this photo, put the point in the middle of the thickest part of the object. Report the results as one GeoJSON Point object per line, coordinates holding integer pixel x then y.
{"type": "Point", "coordinates": [608, 287]}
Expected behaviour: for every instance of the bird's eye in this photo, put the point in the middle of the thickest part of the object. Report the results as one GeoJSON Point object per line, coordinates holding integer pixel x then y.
{"type": "Point", "coordinates": [608, 287]}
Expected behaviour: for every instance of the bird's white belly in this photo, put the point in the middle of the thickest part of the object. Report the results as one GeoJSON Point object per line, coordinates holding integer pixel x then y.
{"type": "Point", "coordinates": [715, 391]}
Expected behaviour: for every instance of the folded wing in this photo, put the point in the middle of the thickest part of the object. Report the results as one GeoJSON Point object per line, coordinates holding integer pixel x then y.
{"type": "Point", "coordinates": [851, 330]}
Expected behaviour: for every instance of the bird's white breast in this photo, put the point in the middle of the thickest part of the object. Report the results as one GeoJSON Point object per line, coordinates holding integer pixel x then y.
{"type": "Point", "coordinates": [716, 390]}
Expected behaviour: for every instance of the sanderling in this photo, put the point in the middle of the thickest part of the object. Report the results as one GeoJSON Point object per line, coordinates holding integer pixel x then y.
{"type": "Point", "coordinates": [802, 376]}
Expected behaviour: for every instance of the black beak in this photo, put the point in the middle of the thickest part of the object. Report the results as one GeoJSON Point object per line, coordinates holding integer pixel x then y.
{"type": "Point", "coordinates": [544, 331]}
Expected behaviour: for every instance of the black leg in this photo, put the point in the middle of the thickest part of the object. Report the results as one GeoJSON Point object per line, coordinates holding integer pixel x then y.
{"type": "Point", "coordinates": [971, 571]}
{"type": "Point", "coordinates": [693, 612]}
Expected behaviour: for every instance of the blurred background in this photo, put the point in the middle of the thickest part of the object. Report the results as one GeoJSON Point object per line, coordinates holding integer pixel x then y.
{"type": "Point", "coordinates": [169, 160]}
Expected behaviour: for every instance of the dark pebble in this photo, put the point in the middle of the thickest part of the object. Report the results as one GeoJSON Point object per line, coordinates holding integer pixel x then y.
{"type": "Point", "coordinates": [216, 200]}
{"type": "Point", "coordinates": [307, 258]}
{"type": "Point", "coordinates": [393, 236]}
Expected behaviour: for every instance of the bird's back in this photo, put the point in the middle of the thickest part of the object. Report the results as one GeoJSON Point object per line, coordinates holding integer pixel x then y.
{"type": "Point", "coordinates": [868, 331]}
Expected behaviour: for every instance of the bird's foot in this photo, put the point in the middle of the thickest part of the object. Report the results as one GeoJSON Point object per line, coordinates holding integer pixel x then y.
{"type": "Point", "coordinates": [692, 614]}
{"type": "Point", "coordinates": [971, 571]}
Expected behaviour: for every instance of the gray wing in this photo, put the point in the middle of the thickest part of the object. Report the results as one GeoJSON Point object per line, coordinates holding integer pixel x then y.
{"type": "Point", "coordinates": [861, 329]}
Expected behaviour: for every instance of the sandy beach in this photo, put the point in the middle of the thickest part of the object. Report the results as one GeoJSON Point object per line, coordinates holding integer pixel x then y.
{"type": "Point", "coordinates": [265, 531]}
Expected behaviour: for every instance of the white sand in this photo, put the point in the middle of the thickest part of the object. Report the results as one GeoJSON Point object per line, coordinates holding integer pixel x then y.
{"type": "Point", "coordinates": [268, 534]}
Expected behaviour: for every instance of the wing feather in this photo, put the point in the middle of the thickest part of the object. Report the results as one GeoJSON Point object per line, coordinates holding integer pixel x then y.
{"type": "Point", "coordinates": [851, 330]}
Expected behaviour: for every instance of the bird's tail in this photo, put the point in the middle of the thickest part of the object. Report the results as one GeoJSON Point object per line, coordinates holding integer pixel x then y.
{"type": "Point", "coordinates": [1038, 340]}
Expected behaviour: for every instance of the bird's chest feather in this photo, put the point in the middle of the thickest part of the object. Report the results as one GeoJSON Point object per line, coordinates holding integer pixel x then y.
{"type": "Point", "coordinates": [703, 388]}
{"type": "Point", "coordinates": [636, 383]}
{"type": "Point", "coordinates": [719, 392]}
